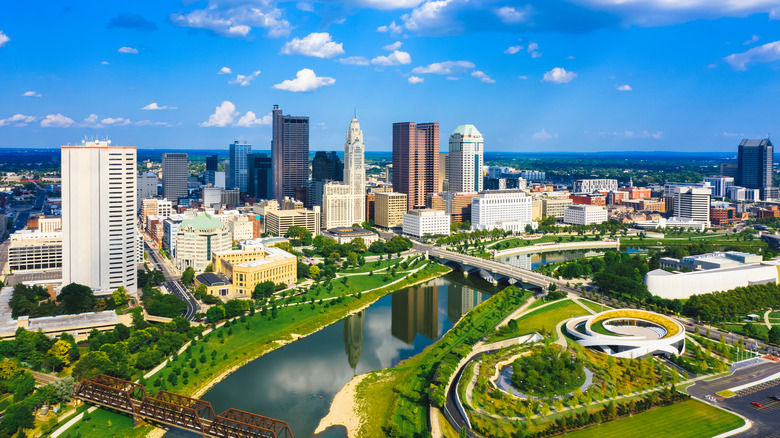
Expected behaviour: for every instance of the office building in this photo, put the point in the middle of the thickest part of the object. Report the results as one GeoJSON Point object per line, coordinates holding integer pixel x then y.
{"type": "Point", "coordinates": [215, 179]}
{"type": "Point", "coordinates": [507, 210]}
{"type": "Point", "coordinates": [740, 194]}
{"type": "Point", "coordinates": [289, 153]}
{"type": "Point", "coordinates": [197, 238]}
{"type": "Point", "coordinates": [170, 230]}
{"type": "Point", "coordinates": [589, 199]}
{"type": "Point", "coordinates": [754, 165]}
{"type": "Point", "coordinates": [389, 209]}
{"type": "Point", "coordinates": [34, 251]}
{"type": "Point", "coordinates": [730, 170]}
{"type": "Point", "coordinates": [238, 176]}
{"type": "Point", "coordinates": [555, 207]}
{"type": "Point", "coordinates": [444, 171]}
{"type": "Point", "coordinates": [327, 166]}
{"type": "Point", "coordinates": [426, 222]}
{"type": "Point", "coordinates": [692, 204]}
{"type": "Point", "coordinates": [584, 215]}
{"type": "Point", "coordinates": [212, 163]}
{"type": "Point", "coordinates": [231, 198]}
{"type": "Point", "coordinates": [533, 175]}
{"type": "Point", "coordinates": [595, 185]}
{"type": "Point", "coordinates": [260, 181]}
{"type": "Point", "coordinates": [465, 159]}
{"type": "Point", "coordinates": [98, 216]}
{"type": "Point", "coordinates": [155, 207]}
{"type": "Point", "coordinates": [370, 206]}
{"type": "Point", "coordinates": [277, 222]}
{"type": "Point", "coordinates": [682, 285]}
{"type": "Point", "coordinates": [415, 161]}
{"type": "Point", "coordinates": [211, 197]}
{"type": "Point", "coordinates": [724, 214]}
{"type": "Point", "coordinates": [457, 205]}
{"type": "Point", "coordinates": [720, 185]}
{"type": "Point", "coordinates": [174, 177]}
{"type": "Point", "coordinates": [241, 228]}
{"type": "Point", "coordinates": [344, 203]}
{"type": "Point", "coordinates": [147, 187]}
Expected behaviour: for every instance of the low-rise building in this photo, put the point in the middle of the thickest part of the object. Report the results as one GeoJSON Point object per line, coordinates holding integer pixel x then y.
{"type": "Point", "coordinates": [555, 207]}
{"type": "Point", "coordinates": [713, 260]}
{"type": "Point", "coordinates": [724, 214]}
{"type": "Point", "coordinates": [739, 194]}
{"type": "Point", "coordinates": [155, 207]}
{"type": "Point", "coordinates": [584, 215]}
{"type": "Point", "coordinates": [507, 210]}
{"type": "Point", "coordinates": [682, 285]}
{"type": "Point", "coordinates": [278, 221]}
{"type": "Point", "coordinates": [248, 267]}
{"type": "Point", "coordinates": [241, 229]}
{"type": "Point", "coordinates": [589, 199]}
{"type": "Point", "coordinates": [34, 251]}
{"type": "Point", "coordinates": [425, 222]}
{"type": "Point", "coordinates": [346, 234]}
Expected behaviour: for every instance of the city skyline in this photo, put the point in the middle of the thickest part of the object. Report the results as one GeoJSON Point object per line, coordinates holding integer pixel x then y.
{"type": "Point", "coordinates": [556, 77]}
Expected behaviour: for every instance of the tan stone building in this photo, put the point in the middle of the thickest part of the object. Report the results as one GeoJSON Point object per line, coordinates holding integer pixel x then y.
{"type": "Point", "coordinates": [555, 206]}
{"type": "Point", "coordinates": [389, 209]}
{"type": "Point", "coordinates": [246, 268]}
{"type": "Point", "coordinates": [278, 221]}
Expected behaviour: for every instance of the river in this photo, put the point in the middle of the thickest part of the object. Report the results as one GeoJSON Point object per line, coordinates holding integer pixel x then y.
{"type": "Point", "coordinates": [297, 382]}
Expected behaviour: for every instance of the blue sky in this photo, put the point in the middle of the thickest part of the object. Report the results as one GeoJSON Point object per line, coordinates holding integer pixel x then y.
{"type": "Point", "coordinates": [538, 75]}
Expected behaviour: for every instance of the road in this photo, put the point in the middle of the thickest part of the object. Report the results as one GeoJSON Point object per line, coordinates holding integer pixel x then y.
{"type": "Point", "coordinates": [173, 282]}
{"type": "Point", "coordinates": [21, 218]}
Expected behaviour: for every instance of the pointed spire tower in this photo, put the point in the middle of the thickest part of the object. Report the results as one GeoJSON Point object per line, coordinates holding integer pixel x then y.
{"type": "Point", "coordinates": [354, 168]}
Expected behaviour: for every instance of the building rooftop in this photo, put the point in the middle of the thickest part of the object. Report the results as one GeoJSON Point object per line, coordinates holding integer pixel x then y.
{"type": "Point", "coordinates": [203, 221]}
{"type": "Point", "coordinates": [211, 279]}
{"type": "Point", "coordinates": [467, 130]}
{"type": "Point", "coordinates": [349, 231]}
{"type": "Point", "coordinates": [272, 254]}
{"type": "Point", "coordinates": [762, 142]}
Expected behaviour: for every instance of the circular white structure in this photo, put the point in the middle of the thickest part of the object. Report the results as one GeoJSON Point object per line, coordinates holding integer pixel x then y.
{"type": "Point", "coordinates": [628, 333]}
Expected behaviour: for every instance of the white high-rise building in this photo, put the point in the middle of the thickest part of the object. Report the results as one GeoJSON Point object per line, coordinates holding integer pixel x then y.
{"type": "Point", "coordinates": [147, 187]}
{"type": "Point", "coordinates": [344, 203]}
{"type": "Point", "coordinates": [720, 185]}
{"type": "Point", "coordinates": [98, 216]}
{"type": "Point", "coordinates": [465, 159]}
{"type": "Point", "coordinates": [693, 204]}
{"type": "Point", "coordinates": [508, 210]}
{"type": "Point", "coordinates": [595, 185]}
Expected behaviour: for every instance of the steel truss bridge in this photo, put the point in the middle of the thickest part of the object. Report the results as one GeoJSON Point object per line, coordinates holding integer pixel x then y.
{"type": "Point", "coordinates": [176, 410]}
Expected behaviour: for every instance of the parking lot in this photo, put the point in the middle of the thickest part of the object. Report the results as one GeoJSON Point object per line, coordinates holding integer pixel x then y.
{"type": "Point", "coordinates": [766, 419]}
{"type": "Point", "coordinates": [33, 276]}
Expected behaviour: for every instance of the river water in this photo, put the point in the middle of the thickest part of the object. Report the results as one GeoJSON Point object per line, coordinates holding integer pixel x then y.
{"type": "Point", "coordinates": [297, 383]}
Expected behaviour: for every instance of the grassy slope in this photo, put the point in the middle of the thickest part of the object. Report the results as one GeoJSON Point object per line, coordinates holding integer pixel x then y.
{"type": "Point", "coordinates": [544, 319]}
{"type": "Point", "coordinates": [689, 419]}
{"type": "Point", "coordinates": [97, 427]}
{"type": "Point", "coordinates": [596, 307]}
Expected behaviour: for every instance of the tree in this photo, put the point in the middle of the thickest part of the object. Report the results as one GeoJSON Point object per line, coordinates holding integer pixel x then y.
{"type": "Point", "coordinates": [352, 258]}
{"type": "Point", "coordinates": [76, 298]}
{"type": "Point", "coordinates": [120, 296]}
{"type": "Point", "coordinates": [215, 313]}
{"type": "Point", "coordinates": [63, 389]}
{"type": "Point", "coordinates": [774, 335]}
{"type": "Point", "coordinates": [17, 416]}
{"type": "Point", "coordinates": [314, 272]}
{"type": "Point", "coordinates": [263, 290]}
{"type": "Point", "coordinates": [358, 245]}
{"type": "Point", "coordinates": [188, 276]}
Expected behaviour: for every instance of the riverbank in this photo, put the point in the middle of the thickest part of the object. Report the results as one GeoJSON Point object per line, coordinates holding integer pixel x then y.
{"type": "Point", "coordinates": [343, 409]}
{"type": "Point", "coordinates": [568, 246]}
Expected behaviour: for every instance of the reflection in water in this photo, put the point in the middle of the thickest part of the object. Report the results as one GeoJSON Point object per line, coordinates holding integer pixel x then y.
{"type": "Point", "coordinates": [460, 300]}
{"type": "Point", "coordinates": [533, 261]}
{"type": "Point", "coordinates": [415, 311]}
{"type": "Point", "coordinates": [353, 338]}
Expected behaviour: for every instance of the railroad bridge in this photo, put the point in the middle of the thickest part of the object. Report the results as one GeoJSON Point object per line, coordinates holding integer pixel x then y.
{"type": "Point", "coordinates": [176, 410]}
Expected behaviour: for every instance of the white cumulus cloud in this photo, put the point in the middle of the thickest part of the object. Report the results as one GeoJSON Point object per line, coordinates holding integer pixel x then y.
{"type": "Point", "coordinates": [151, 123]}
{"type": "Point", "coordinates": [390, 28]}
{"type": "Point", "coordinates": [752, 40]}
{"type": "Point", "coordinates": [91, 119]}
{"type": "Point", "coordinates": [396, 58]}
{"type": "Point", "coordinates": [511, 15]}
{"type": "Point", "coordinates": [250, 119]}
{"type": "Point", "coordinates": [415, 80]}
{"type": "Point", "coordinates": [236, 21]}
{"type": "Point", "coordinates": [385, 4]}
{"type": "Point", "coordinates": [533, 50]}
{"type": "Point", "coordinates": [395, 46]}
{"type": "Point", "coordinates": [225, 71]}
{"type": "Point", "coordinates": [224, 115]}
{"type": "Point", "coordinates": [317, 44]}
{"type": "Point", "coordinates": [559, 75]}
{"type": "Point", "coordinates": [31, 94]}
{"type": "Point", "coordinates": [511, 50]}
{"type": "Point", "coordinates": [3, 38]}
{"type": "Point", "coordinates": [56, 121]}
{"type": "Point", "coordinates": [543, 135]}
{"type": "Point", "coordinates": [353, 60]}
{"type": "Point", "coordinates": [444, 68]}
{"type": "Point", "coordinates": [482, 77]}
{"type": "Point", "coordinates": [153, 107]}
{"type": "Point", "coordinates": [305, 80]}
{"type": "Point", "coordinates": [17, 120]}
{"type": "Point", "coordinates": [244, 80]}
{"type": "Point", "coordinates": [118, 121]}
{"type": "Point", "coordinates": [128, 50]}
{"type": "Point", "coordinates": [624, 87]}
{"type": "Point", "coordinates": [768, 52]}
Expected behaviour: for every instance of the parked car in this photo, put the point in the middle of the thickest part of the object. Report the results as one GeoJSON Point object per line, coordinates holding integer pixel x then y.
{"type": "Point", "coordinates": [775, 397]}
{"type": "Point", "coordinates": [756, 404]}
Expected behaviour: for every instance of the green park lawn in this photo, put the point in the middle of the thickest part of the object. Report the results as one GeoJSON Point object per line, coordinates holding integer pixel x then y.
{"type": "Point", "coordinates": [688, 419]}
{"type": "Point", "coordinates": [543, 319]}
{"type": "Point", "coordinates": [97, 426]}
{"type": "Point", "coordinates": [596, 307]}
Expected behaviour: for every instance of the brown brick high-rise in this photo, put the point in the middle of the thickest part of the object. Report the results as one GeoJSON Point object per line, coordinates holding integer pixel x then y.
{"type": "Point", "coordinates": [416, 161]}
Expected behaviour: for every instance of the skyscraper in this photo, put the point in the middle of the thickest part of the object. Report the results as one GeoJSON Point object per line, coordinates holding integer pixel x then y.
{"type": "Point", "coordinates": [212, 163]}
{"type": "Point", "coordinates": [290, 153]}
{"type": "Point", "coordinates": [326, 166]}
{"type": "Point", "coordinates": [344, 203]}
{"type": "Point", "coordinates": [260, 176]}
{"type": "Point", "coordinates": [174, 176]}
{"type": "Point", "coordinates": [237, 179]}
{"type": "Point", "coordinates": [754, 165]}
{"type": "Point", "coordinates": [415, 161]}
{"type": "Point", "coordinates": [99, 235]}
{"type": "Point", "coordinates": [465, 159]}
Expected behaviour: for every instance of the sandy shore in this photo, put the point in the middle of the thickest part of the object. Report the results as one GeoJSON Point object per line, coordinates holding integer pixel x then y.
{"type": "Point", "coordinates": [343, 409]}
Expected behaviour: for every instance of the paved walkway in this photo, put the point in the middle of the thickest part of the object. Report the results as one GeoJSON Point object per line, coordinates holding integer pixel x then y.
{"type": "Point", "coordinates": [766, 318]}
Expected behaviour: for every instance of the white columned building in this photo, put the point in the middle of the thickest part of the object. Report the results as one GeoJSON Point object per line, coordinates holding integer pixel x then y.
{"type": "Point", "coordinates": [508, 210]}
{"type": "Point", "coordinates": [344, 203]}
{"type": "Point", "coordinates": [99, 240]}
{"type": "Point", "coordinates": [465, 159]}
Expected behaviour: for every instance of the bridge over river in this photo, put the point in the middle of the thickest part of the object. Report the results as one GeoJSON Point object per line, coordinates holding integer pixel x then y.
{"type": "Point", "coordinates": [176, 410]}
